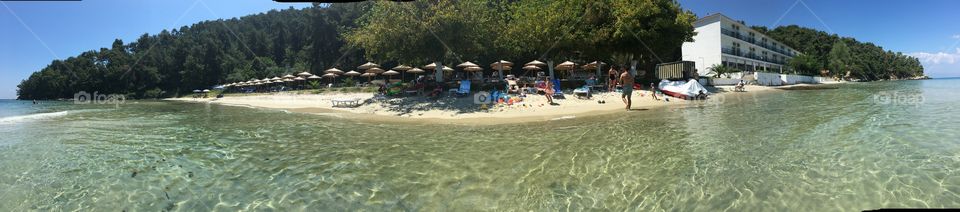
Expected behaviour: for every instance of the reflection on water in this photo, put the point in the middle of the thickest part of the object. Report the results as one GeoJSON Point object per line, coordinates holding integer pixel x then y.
{"type": "Point", "coordinates": [837, 149]}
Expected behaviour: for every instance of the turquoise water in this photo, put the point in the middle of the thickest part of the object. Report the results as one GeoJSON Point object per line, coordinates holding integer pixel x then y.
{"type": "Point", "coordinates": [861, 146]}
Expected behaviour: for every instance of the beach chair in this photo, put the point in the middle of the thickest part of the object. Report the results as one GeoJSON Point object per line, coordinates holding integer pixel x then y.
{"type": "Point", "coordinates": [351, 102]}
{"type": "Point", "coordinates": [512, 86]}
{"type": "Point", "coordinates": [464, 88]}
{"type": "Point", "coordinates": [556, 89]}
{"type": "Point", "coordinates": [582, 92]}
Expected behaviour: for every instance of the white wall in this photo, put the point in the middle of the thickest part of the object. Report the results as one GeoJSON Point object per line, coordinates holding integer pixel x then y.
{"type": "Point", "coordinates": [764, 78]}
{"type": "Point", "coordinates": [705, 50]}
{"type": "Point", "coordinates": [723, 81]}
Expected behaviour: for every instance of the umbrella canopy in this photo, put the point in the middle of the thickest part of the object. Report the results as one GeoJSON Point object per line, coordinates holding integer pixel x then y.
{"type": "Point", "coordinates": [352, 73]}
{"type": "Point", "coordinates": [391, 72]}
{"type": "Point", "coordinates": [304, 74]}
{"type": "Point", "coordinates": [502, 64]}
{"type": "Point", "coordinates": [430, 66]}
{"type": "Point", "coordinates": [368, 65]}
{"type": "Point", "coordinates": [466, 64]}
{"type": "Point", "coordinates": [402, 68]}
{"type": "Point", "coordinates": [531, 68]}
{"type": "Point", "coordinates": [206, 91]}
{"type": "Point", "coordinates": [447, 68]}
{"type": "Point", "coordinates": [288, 76]}
{"type": "Point", "coordinates": [375, 70]}
{"type": "Point", "coordinates": [566, 66]}
{"type": "Point", "coordinates": [288, 80]}
{"type": "Point", "coordinates": [275, 78]}
{"type": "Point", "coordinates": [265, 79]}
{"type": "Point", "coordinates": [473, 68]}
{"type": "Point", "coordinates": [594, 65]}
{"type": "Point", "coordinates": [535, 63]}
{"type": "Point", "coordinates": [196, 91]}
{"type": "Point", "coordinates": [415, 71]}
{"type": "Point", "coordinates": [333, 71]}
{"type": "Point", "coordinates": [314, 77]}
{"type": "Point", "coordinates": [330, 75]}
{"type": "Point", "coordinates": [278, 81]}
{"type": "Point", "coordinates": [369, 74]}
{"type": "Point", "coordinates": [298, 79]}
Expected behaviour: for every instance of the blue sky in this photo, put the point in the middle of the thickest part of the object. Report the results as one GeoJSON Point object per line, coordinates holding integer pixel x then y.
{"type": "Point", "coordinates": [52, 30]}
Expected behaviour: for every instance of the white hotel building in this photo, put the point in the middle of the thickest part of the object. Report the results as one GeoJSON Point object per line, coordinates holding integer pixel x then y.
{"type": "Point", "coordinates": [722, 40]}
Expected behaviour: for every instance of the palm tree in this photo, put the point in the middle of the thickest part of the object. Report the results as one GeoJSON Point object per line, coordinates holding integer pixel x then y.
{"type": "Point", "coordinates": [722, 70]}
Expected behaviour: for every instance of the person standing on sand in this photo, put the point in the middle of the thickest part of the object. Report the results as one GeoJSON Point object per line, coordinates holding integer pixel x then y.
{"type": "Point", "coordinates": [653, 92]}
{"type": "Point", "coordinates": [613, 79]}
{"type": "Point", "coordinates": [626, 79]}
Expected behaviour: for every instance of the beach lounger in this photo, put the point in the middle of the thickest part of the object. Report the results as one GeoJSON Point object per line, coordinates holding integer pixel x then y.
{"type": "Point", "coordinates": [556, 89]}
{"type": "Point", "coordinates": [512, 86]}
{"type": "Point", "coordinates": [582, 92]}
{"type": "Point", "coordinates": [464, 88]}
{"type": "Point", "coordinates": [351, 102]}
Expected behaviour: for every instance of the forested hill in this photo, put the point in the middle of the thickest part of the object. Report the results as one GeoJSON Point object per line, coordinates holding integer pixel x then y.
{"type": "Point", "coordinates": [174, 62]}
{"type": "Point", "coordinates": [345, 35]}
{"type": "Point", "coordinates": [840, 55]}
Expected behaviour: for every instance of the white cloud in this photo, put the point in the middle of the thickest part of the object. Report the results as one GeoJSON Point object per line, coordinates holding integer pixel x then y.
{"type": "Point", "coordinates": [956, 37]}
{"type": "Point", "coordinates": [939, 57]}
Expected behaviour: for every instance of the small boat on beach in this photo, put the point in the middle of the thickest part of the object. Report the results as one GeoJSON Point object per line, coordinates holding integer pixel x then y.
{"type": "Point", "coordinates": [680, 89]}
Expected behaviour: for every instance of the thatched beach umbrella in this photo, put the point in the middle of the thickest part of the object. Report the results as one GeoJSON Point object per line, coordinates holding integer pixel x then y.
{"type": "Point", "coordinates": [535, 63]}
{"type": "Point", "coordinates": [374, 70]}
{"type": "Point", "coordinates": [473, 68]}
{"type": "Point", "coordinates": [332, 76]}
{"type": "Point", "coordinates": [288, 76]}
{"type": "Point", "coordinates": [593, 65]}
{"type": "Point", "coordinates": [369, 76]}
{"type": "Point", "coordinates": [368, 65]}
{"type": "Point", "coordinates": [466, 64]}
{"type": "Point", "coordinates": [304, 74]}
{"type": "Point", "coordinates": [566, 66]}
{"type": "Point", "coordinates": [447, 69]}
{"type": "Point", "coordinates": [333, 71]}
{"type": "Point", "coordinates": [401, 69]}
{"type": "Point", "coordinates": [390, 73]}
{"type": "Point", "coordinates": [351, 74]}
{"type": "Point", "coordinates": [431, 66]}
{"type": "Point", "coordinates": [415, 71]}
{"type": "Point", "coordinates": [500, 66]}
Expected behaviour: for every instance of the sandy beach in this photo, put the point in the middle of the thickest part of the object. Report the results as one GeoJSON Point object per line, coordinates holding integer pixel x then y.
{"type": "Point", "coordinates": [463, 110]}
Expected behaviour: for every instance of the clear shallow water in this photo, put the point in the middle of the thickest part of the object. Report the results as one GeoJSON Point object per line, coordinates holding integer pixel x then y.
{"type": "Point", "coordinates": [851, 148]}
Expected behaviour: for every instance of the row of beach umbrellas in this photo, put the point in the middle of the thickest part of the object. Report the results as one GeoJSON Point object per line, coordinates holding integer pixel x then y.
{"type": "Point", "coordinates": [372, 69]}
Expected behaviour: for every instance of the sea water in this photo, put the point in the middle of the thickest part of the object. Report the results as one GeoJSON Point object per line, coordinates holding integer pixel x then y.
{"type": "Point", "coordinates": [859, 146]}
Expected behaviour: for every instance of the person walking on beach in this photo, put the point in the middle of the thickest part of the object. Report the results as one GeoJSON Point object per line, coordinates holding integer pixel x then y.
{"type": "Point", "coordinates": [626, 80]}
{"type": "Point", "coordinates": [653, 92]}
{"type": "Point", "coordinates": [613, 79]}
{"type": "Point", "coordinates": [548, 91]}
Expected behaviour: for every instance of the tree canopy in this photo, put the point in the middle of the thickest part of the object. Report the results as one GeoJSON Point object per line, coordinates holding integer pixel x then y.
{"type": "Point", "coordinates": [841, 55]}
